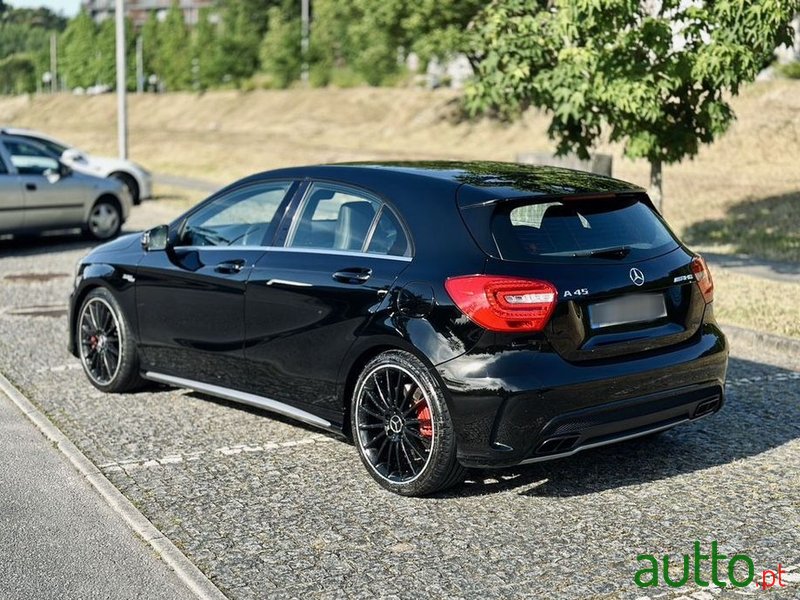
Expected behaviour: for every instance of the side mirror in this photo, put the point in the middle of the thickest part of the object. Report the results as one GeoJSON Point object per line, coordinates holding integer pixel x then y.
{"type": "Point", "coordinates": [156, 238]}
{"type": "Point", "coordinates": [64, 170]}
{"type": "Point", "coordinates": [73, 155]}
{"type": "Point", "coordinates": [52, 175]}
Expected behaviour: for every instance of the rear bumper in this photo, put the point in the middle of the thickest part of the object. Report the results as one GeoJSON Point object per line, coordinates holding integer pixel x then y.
{"type": "Point", "coordinates": [530, 405]}
{"type": "Point", "coordinates": [618, 421]}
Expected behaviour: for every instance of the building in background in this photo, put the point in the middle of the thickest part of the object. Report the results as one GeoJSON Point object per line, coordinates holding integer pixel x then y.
{"type": "Point", "coordinates": [139, 10]}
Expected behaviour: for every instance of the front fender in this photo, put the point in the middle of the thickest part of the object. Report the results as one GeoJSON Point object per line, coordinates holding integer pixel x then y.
{"type": "Point", "coordinates": [117, 279]}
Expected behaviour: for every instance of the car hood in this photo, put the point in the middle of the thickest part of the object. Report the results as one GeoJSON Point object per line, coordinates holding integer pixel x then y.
{"type": "Point", "coordinates": [102, 166]}
{"type": "Point", "coordinates": [120, 244]}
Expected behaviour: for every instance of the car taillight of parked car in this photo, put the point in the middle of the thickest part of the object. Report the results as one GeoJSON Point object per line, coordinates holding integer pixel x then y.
{"type": "Point", "coordinates": [507, 304]}
{"type": "Point", "coordinates": [703, 278]}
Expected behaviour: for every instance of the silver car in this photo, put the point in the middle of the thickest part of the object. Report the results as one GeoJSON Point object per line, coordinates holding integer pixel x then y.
{"type": "Point", "coordinates": [135, 177]}
{"type": "Point", "coordinates": [38, 193]}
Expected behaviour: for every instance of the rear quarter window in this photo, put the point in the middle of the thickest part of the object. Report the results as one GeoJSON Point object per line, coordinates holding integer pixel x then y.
{"type": "Point", "coordinates": [602, 228]}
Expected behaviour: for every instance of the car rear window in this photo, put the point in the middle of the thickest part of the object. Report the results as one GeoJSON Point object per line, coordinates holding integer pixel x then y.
{"type": "Point", "coordinates": [597, 228]}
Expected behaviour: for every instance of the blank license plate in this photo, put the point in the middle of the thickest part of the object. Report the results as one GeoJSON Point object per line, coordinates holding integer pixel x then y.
{"type": "Point", "coordinates": [635, 308]}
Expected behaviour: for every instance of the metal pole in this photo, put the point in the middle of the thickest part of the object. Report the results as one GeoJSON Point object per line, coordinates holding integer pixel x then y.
{"type": "Point", "coordinates": [53, 63]}
{"type": "Point", "coordinates": [139, 66]}
{"type": "Point", "coordinates": [304, 19]}
{"type": "Point", "coordinates": [122, 105]}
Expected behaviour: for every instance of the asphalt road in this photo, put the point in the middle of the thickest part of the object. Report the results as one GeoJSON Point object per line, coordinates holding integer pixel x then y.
{"type": "Point", "coordinates": [269, 508]}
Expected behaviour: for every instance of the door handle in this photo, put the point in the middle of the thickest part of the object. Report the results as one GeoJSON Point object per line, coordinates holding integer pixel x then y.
{"type": "Point", "coordinates": [354, 276]}
{"type": "Point", "coordinates": [230, 267]}
{"type": "Point", "coordinates": [31, 187]}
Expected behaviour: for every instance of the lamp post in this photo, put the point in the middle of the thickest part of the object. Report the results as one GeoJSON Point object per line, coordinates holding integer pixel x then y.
{"type": "Point", "coordinates": [122, 104]}
{"type": "Point", "coordinates": [304, 24]}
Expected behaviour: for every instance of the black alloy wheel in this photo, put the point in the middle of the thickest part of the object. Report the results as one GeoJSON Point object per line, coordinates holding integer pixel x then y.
{"type": "Point", "coordinates": [402, 428]}
{"type": "Point", "coordinates": [107, 352]}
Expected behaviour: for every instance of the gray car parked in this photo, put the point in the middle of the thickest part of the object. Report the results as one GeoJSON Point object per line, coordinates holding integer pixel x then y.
{"type": "Point", "coordinates": [40, 193]}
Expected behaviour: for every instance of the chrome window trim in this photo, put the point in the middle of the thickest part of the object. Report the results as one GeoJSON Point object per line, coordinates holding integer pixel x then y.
{"type": "Point", "coordinates": [222, 248]}
{"type": "Point", "coordinates": [301, 250]}
{"type": "Point", "coordinates": [342, 253]}
{"type": "Point", "coordinates": [243, 397]}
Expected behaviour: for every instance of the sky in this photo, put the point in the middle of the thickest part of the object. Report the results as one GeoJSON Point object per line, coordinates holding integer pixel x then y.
{"type": "Point", "coordinates": [65, 7]}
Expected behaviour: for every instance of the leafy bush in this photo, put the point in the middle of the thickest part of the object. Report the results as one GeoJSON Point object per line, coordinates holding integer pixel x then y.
{"type": "Point", "coordinates": [790, 70]}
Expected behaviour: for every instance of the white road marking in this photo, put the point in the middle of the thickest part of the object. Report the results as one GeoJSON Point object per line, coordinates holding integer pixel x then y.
{"type": "Point", "coordinates": [172, 459]}
{"type": "Point", "coordinates": [76, 366]}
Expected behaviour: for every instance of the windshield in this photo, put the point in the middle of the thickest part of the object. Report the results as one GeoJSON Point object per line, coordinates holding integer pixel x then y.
{"type": "Point", "coordinates": [54, 147]}
{"type": "Point", "coordinates": [612, 228]}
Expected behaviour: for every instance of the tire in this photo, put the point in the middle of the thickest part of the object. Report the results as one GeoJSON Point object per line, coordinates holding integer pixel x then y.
{"type": "Point", "coordinates": [105, 219]}
{"type": "Point", "coordinates": [406, 450]}
{"type": "Point", "coordinates": [129, 181]}
{"type": "Point", "coordinates": [105, 342]}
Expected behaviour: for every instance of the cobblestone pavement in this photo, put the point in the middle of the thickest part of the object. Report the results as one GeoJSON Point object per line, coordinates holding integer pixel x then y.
{"type": "Point", "coordinates": [269, 508]}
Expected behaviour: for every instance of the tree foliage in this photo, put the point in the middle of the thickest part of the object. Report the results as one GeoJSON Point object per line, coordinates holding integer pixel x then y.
{"type": "Point", "coordinates": [204, 44]}
{"type": "Point", "coordinates": [79, 52]}
{"type": "Point", "coordinates": [280, 50]}
{"type": "Point", "coordinates": [372, 37]}
{"type": "Point", "coordinates": [25, 45]}
{"type": "Point", "coordinates": [174, 60]}
{"type": "Point", "coordinates": [150, 45]}
{"type": "Point", "coordinates": [655, 75]}
{"type": "Point", "coordinates": [17, 74]}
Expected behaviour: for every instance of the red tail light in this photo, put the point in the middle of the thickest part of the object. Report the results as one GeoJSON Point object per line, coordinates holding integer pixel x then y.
{"type": "Point", "coordinates": [504, 303]}
{"type": "Point", "coordinates": [703, 278]}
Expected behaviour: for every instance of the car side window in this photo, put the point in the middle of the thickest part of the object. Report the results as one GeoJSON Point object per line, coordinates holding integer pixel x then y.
{"type": "Point", "coordinates": [30, 159]}
{"type": "Point", "coordinates": [241, 218]}
{"type": "Point", "coordinates": [388, 236]}
{"type": "Point", "coordinates": [333, 218]}
{"type": "Point", "coordinates": [3, 167]}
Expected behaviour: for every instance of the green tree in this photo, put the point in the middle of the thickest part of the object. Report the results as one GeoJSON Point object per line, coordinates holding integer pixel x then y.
{"type": "Point", "coordinates": [280, 50]}
{"type": "Point", "coordinates": [150, 36]}
{"type": "Point", "coordinates": [17, 74]}
{"type": "Point", "coordinates": [204, 52]}
{"type": "Point", "coordinates": [174, 58]}
{"type": "Point", "coordinates": [105, 57]}
{"type": "Point", "coordinates": [370, 36]}
{"type": "Point", "coordinates": [105, 67]}
{"type": "Point", "coordinates": [655, 76]}
{"type": "Point", "coordinates": [440, 27]}
{"type": "Point", "coordinates": [363, 35]}
{"type": "Point", "coordinates": [330, 46]}
{"type": "Point", "coordinates": [79, 52]}
{"type": "Point", "coordinates": [238, 42]}
{"type": "Point", "coordinates": [25, 35]}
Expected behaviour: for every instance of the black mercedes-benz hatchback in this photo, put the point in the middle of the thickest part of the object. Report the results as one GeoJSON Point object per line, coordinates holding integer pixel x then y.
{"type": "Point", "coordinates": [442, 315]}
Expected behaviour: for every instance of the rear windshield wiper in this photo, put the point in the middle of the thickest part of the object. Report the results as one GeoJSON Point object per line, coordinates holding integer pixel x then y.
{"type": "Point", "coordinates": [613, 252]}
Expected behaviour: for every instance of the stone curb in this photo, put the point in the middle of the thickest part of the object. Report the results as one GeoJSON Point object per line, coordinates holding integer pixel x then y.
{"type": "Point", "coordinates": [779, 343]}
{"type": "Point", "coordinates": [186, 571]}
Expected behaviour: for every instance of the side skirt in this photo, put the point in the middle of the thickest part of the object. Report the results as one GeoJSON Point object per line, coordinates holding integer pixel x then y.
{"type": "Point", "coordinates": [244, 398]}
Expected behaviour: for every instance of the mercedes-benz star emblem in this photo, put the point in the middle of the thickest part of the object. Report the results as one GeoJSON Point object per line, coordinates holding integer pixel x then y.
{"type": "Point", "coordinates": [396, 424]}
{"type": "Point", "coordinates": [637, 277]}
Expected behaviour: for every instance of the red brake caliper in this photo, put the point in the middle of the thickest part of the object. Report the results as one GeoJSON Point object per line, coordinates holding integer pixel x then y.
{"type": "Point", "coordinates": [424, 416]}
